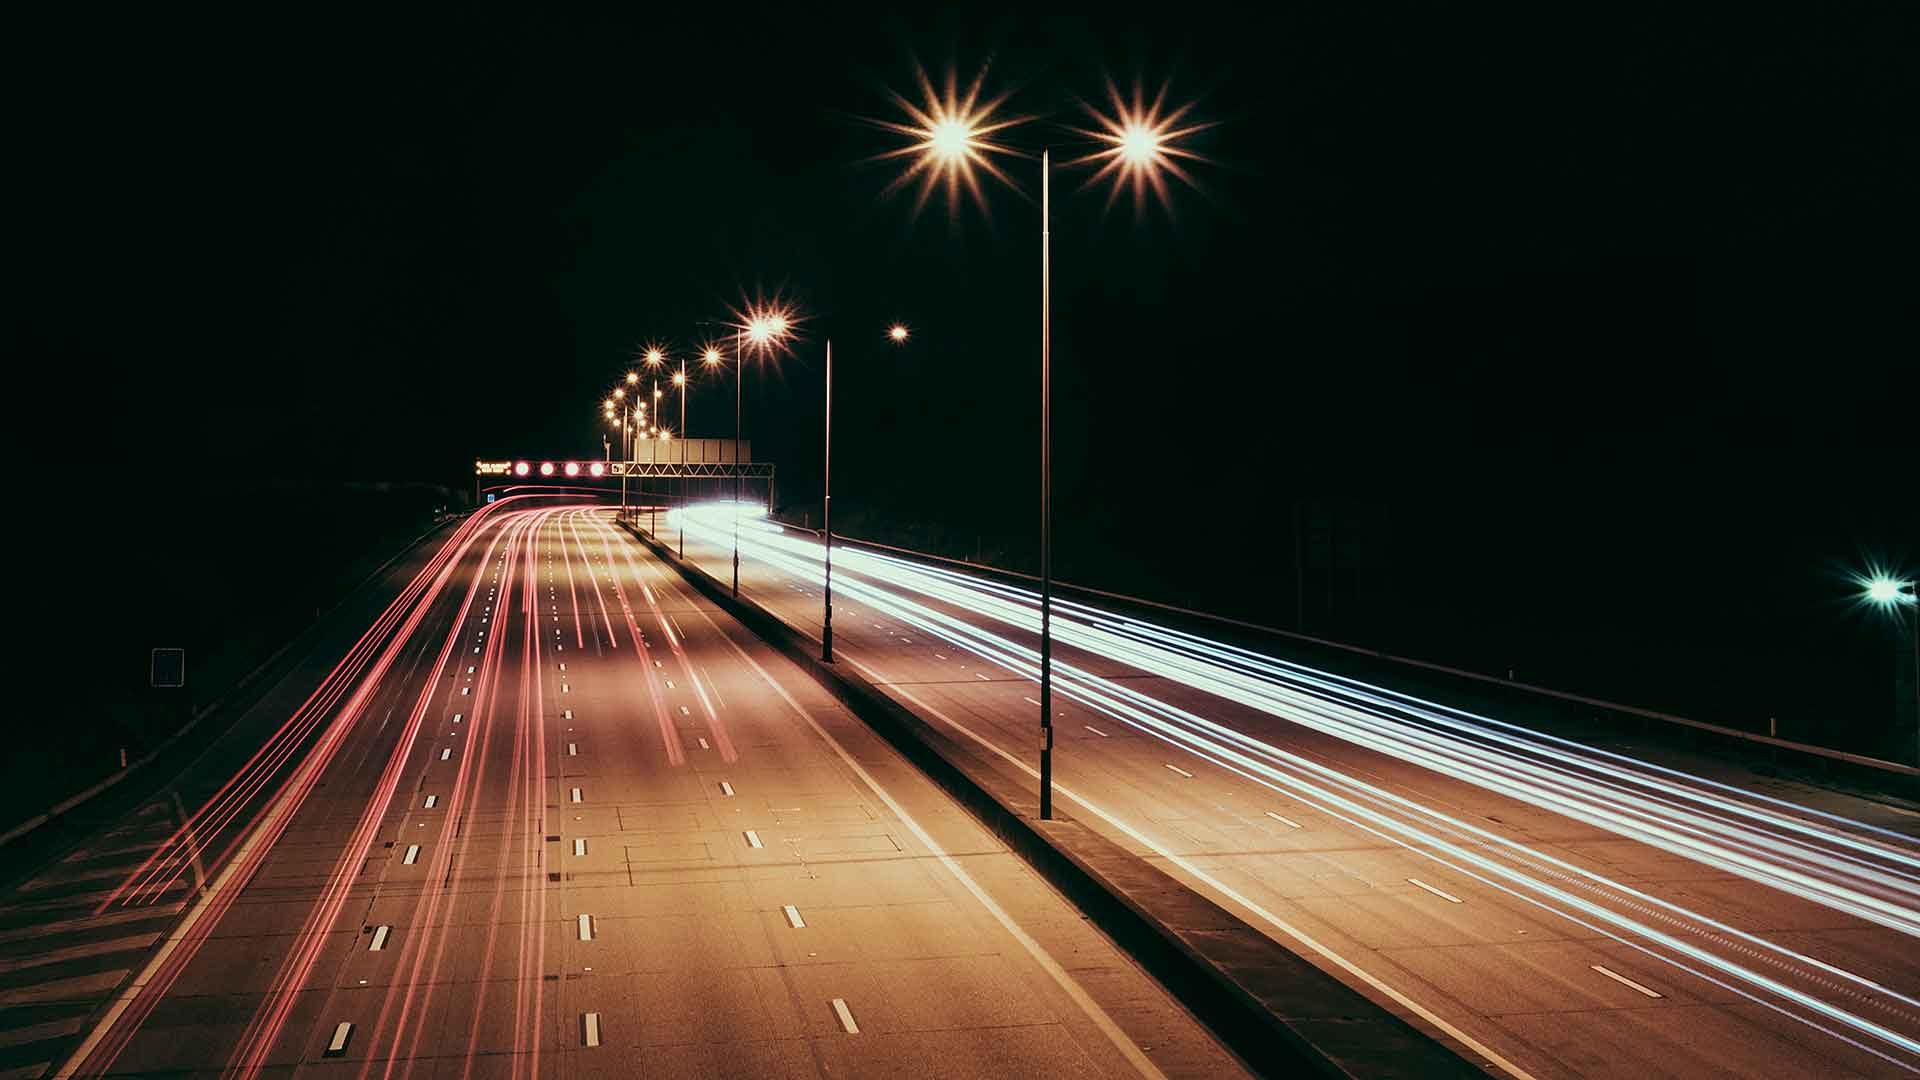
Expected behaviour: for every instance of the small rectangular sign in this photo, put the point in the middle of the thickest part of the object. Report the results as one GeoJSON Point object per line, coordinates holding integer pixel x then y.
{"type": "Point", "coordinates": [168, 668]}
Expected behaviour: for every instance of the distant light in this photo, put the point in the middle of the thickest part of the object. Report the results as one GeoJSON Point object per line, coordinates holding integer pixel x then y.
{"type": "Point", "coordinates": [573, 468]}
{"type": "Point", "coordinates": [1886, 592]}
{"type": "Point", "coordinates": [655, 355]}
{"type": "Point", "coordinates": [546, 468]}
{"type": "Point", "coordinates": [711, 357]}
{"type": "Point", "coordinates": [596, 469]}
{"type": "Point", "coordinates": [621, 395]}
{"type": "Point", "coordinates": [679, 378]}
{"type": "Point", "coordinates": [898, 332]}
{"type": "Point", "coordinates": [632, 377]}
{"type": "Point", "coordinates": [520, 469]}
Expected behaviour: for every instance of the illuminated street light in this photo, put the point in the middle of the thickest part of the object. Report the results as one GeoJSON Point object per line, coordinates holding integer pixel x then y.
{"type": "Point", "coordinates": [632, 377]}
{"type": "Point", "coordinates": [1891, 594]}
{"type": "Point", "coordinates": [949, 133]}
{"type": "Point", "coordinates": [898, 333]}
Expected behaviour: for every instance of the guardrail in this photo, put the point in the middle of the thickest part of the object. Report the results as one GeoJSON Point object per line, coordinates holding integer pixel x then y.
{"type": "Point", "coordinates": [1862, 761]}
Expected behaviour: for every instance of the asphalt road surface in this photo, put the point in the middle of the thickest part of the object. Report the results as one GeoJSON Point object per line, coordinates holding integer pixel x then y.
{"type": "Point", "coordinates": [1549, 910]}
{"type": "Point", "coordinates": [554, 815]}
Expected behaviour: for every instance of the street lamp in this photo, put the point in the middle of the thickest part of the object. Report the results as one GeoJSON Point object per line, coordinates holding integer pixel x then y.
{"type": "Point", "coordinates": [1891, 594]}
{"type": "Point", "coordinates": [897, 333]}
{"type": "Point", "coordinates": [951, 135]}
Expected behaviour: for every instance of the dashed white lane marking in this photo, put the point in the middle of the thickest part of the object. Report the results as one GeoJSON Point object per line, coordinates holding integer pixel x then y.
{"type": "Point", "coordinates": [579, 845]}
{"type": "Point", "coordinates": [379, 938]}
{"type": "Point", "coordinates": [846, 1016]}
{"type": "Point", "coordinates": [1181, 771]}
{"type": "Point", "coordinates": [567, 714]}
{"type": "Point", "coordinates": [573, 749]}
{"type": "Point", "coordinates": [413, 854]}
{"type": "Point", "coordinates": [940, 656]}
{"type": "Point", "coordinates": [793, 917]}
{"type": "Point", "coordinates": [1624, 981]}
{"type": "Point", "coordinates": [753, 839]}
{"type": "Point", "coordinates": [669, 684]}
{"type": "Point", "coordinates": [586, 927]}
{"type": "Point", "coordinates": [447, 753]}
{"type": "Point", "coordinates": [977, 675]}
{"type": "Point", "coordinates": [1096, 731]}
{"type": "Point", "coordinates": [432, 800]}
{"type": "Point", "coordinates": [576, 795]}
{"type": "Point", "coordinates": [590, 1029]}
{"type": "Point", "coordinates": [1282, 820]}
{"type": "Point", "coordinates": [463, 691]}
{"type": "Point", "coordinates": [726, 789]}
{"type": "Point", "coordinates": [456, 718]}
{"type": "Point", "coordinates": [703, 745]}
{"type": "Point", "coordinates": [1441, 893]}
{"type": "Point", "coordinates": [684, 711]}
{"type": "Point", "coordinates": [338, 1044]}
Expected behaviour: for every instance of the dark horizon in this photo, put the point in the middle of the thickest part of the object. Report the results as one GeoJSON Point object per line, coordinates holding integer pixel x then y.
{"type": "Point", "coordinates": [1596, 337]}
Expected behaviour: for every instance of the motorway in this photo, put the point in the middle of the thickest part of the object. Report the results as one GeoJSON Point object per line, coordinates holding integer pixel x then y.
{"type": "Point", "coordinates": [553, 813]}
{"type": "Point", "coordinates": [1548, 909]}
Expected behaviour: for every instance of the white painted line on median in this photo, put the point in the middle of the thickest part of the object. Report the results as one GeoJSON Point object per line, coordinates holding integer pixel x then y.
{"type": "Point", "coordinates": [1283, 820]}
{"type": "Point", "coordinates": [1624, 981]}
{"type": "Point", "coordinates": [1119, 1040]}
{"type": "Point", "coordinates": [1181, 771]}
{"type": "Point", "coordinates": [379, 938]}
{"type": "Point", "coordinates": [576, 795]}
{"type": "Point", "coordinates": [338, 1044]}
{"type": "Point", "coordinates": [586, 927]}
{"type": "Point", "coordinates": [726, 789]}
{"type": "Point", "coordinates": [846, 1016]}
{"type": "Point", "coordinates": [413, 854]}
{"type": "Point", "coordinates": [753, 839]}
{"type": "Point", "coordinates": [590, 1029]}
{"type": "Point", "coordinates": [793, 917]}
{"type": "Point", "coordinates": [1096, 731]}
{"type": "Point", "coordinates": [431, 800]}
{"type": "Point", "coordinates": [579, 845]}
{"type": "Point", "coordinates": [1441, 893]}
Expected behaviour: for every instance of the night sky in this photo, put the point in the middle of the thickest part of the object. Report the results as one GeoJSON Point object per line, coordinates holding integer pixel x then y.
{"type": "Point", "coordinates": [1588, 339]}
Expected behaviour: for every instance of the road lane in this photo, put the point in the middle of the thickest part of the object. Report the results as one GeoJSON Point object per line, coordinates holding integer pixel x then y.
{"type": "Point", "coordinates": [1338, 847]}
{"type": "Point", "coordinates": [524, 840]}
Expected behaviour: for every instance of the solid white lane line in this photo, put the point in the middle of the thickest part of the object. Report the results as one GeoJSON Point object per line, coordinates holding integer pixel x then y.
{"type": "Point", "coordinates": [1120, 1040]}
{"type": "Point", "coordinates": [579, 845]}
{"type": "Point", "coordinates": [753, 839]}
{"type": "Point", "coordinates": [1441, 893]}
{"type": "Point", "coordinates": [1282, 820]}
{"type": "Point", "coordinates": [576, 795]}
{"type": "Point", "coordinates": [379, 938]}
{"type": "Point", "coordinates": [1181, 771]}
{"type": "Point", "coordinates": [590, 1029]}
{"type": "Point", "coordinates": [846, 1016]}
{"type": "Point", "coordinates": [413, 854]}
{"type": "Point", "coordinates": [1186, 865]}
{"type": "Point", "coordinates": [338, 1044]}
{"type": "Point", "coordinates": [1624, 981]}
{"type": "Point", "coordinates": [431, 800]}
{"type": "Point", "coordinates": [586, 927]}
{"type": "Point", "coordinates": [726, 789]}
{"type": "Point", "coordinates": [793, 917]}
{"type": "Point", "coordinates": [1096, 731]}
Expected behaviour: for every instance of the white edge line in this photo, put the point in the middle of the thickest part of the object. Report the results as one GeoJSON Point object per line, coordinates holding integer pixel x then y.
{"type": "Point", "coordinates": [1223, 889]}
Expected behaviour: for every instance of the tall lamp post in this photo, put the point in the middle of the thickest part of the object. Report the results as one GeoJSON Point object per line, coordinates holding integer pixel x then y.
{"type": "Point", "coordinates": [1892, 595]}
{"type": "Point", "coordinates": [897, 333]}
{"type": "Point", "coordinates": [953, 134]}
